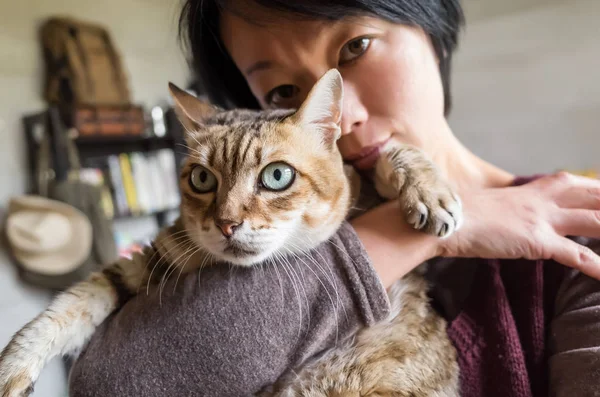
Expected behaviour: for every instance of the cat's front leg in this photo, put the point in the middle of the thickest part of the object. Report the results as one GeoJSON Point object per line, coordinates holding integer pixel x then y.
{"type": "Point", "coordinates": [65, 327]}
{"type": "Point", "coordinates": [429, 202]}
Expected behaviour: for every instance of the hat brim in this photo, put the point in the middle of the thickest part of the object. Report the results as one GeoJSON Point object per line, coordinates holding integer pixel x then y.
{"type": "Point", "coordinates": [65, 259]}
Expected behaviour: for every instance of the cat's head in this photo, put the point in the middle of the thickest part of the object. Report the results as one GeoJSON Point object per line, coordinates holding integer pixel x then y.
{"type": "Point", "coordinates": [262, 184]}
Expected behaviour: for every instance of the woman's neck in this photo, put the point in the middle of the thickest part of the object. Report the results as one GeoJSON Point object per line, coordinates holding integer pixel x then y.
{"type": "Point", "coordinates": [462, 167]}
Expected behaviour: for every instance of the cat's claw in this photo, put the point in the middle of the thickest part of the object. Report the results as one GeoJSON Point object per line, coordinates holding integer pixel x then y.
{"type": "Point", "coordinates": [428, 201]}
{"type": "Point", "coordinates": [436, 211]}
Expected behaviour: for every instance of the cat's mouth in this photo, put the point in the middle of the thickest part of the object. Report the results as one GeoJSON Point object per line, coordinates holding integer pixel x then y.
{"type": "Point", "coordinates": [239, 250]}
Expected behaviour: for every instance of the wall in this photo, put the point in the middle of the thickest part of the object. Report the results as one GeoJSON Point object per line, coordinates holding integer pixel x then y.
{"type": "Point", "coordinates": [527, 84]}
{"type": "Point", "coordinates": [145, 33]}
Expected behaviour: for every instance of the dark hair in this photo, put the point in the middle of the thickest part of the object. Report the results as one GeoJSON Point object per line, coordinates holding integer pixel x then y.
{"type": "Point", "coordinates": [224, 84]}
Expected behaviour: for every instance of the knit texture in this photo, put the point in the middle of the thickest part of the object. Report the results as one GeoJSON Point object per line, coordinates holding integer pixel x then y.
{"type": "Point", "coordinates": [230, 331]}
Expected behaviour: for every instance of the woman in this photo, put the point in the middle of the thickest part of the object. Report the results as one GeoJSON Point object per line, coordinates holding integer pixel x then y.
{"type": "Point", "coordinates": [522, 327]}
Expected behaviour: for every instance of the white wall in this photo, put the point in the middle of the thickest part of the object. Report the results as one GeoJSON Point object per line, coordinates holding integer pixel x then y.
{"type": "Point", "coordinates": [145, 33]}
{"type": "Point", "coordinates": [527, 84]}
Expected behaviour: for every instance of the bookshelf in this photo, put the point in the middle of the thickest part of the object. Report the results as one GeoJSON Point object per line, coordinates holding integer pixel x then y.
{"type": "Point", "coordinates": [96, 150]}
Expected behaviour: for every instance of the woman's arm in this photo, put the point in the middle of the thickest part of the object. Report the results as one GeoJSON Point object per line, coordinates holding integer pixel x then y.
{"type": "Point", "coordinates": [394, 247]}
{"type": "Point", "coordinates": [529, 221]}
{"type": "Point", "coordinates": [574, 340]}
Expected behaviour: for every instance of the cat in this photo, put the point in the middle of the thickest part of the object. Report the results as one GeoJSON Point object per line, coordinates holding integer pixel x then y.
{"type": "Point", "coordinates": [241, 179]}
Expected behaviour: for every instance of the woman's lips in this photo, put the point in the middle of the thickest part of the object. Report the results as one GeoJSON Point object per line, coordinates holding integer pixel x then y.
{"type": "Point", "coordinates": [367, 158]}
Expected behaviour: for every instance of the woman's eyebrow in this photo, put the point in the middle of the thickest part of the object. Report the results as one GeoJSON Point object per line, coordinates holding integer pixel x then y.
{"type": "Point", "coordinates": [260, 65]}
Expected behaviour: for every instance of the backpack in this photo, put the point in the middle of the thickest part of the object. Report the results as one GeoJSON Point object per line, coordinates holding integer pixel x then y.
{"type": "Point", "coordinates": [82, 65]}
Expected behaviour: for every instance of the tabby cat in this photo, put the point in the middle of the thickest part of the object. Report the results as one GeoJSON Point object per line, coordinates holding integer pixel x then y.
{"type": "Point", "coordinates": [275, 177]}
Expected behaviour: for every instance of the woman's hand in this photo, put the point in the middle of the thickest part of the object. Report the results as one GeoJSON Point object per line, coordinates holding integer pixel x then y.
{"type": "Point", "coordinates": [531, 221]}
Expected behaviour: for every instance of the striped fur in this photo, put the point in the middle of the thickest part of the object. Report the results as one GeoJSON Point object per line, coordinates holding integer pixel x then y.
{"type": "Point", "coordinates": [407, 355]}
{"type": "Point", "coordinates": [236, 146]}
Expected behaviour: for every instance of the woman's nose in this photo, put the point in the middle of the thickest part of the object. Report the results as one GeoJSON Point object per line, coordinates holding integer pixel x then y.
{"type": "Point", "coordinates": [354, 113]}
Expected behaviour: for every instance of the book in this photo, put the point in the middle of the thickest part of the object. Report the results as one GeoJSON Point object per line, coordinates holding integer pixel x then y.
{"type": "Point", "coordinates": [166, 159]}
{"type": "Point", "coordinates": [118, 188]}
{"type": "Point", "coordinates": [129, 184]}
{"type": "Point", "coordinates": [139, 168]}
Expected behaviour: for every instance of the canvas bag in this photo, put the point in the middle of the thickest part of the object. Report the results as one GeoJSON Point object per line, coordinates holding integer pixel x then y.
{"type": "Point", "coordinates": [82, 64]}
{"type": "Point", "coordinates": [84, 197]}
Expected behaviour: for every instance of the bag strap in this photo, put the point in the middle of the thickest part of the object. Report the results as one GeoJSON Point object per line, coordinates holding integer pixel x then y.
{"type": "Point", "coordinates": [44, 172]}
{"type": "Point", "coordinates": [72, 154]}
{"type": "Point", "coordinates": [74, 34]}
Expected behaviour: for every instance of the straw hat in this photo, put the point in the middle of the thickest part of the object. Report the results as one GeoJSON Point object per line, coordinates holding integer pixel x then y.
{"type": "Point", "coordinates": [47, 237]}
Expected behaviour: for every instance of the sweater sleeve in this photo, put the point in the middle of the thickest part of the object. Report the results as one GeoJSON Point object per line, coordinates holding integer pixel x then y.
{"type": "Point", "coordinates": [574, 362]}
{"type": "Point", "coordinates": [360, 276]}
{"type": "Point", "coordinates": [230, 331]}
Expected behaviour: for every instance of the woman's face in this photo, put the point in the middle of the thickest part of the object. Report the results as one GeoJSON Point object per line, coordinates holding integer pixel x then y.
{"type": "Point", "coordinates": [392, 85]}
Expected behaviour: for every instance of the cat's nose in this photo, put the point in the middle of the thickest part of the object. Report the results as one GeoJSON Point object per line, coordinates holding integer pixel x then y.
{"type": "Point", "coordinates": [227, 226]}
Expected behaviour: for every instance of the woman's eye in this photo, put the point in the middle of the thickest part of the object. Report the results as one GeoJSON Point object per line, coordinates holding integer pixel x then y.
{"type": "Point", "coordinates": [282, 96]}
{"type": "Point", "coordinates": [202, 180]}
{"type": "Point", "coordinates": [277, 176]}
{"type": "Point", "coordinates": [354, 49]}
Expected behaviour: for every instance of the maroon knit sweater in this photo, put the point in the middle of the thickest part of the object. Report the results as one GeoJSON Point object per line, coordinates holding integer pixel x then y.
{"type": "Point", "coordinates": [500, 333]}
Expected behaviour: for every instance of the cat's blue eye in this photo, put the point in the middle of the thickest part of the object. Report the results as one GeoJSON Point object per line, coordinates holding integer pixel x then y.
{"type": "Point", "coordinates": [202, 180]}
{"type": "Point", "coordinates": [354, 49]}
{"type": "Point", "coordinates": [277, 176]}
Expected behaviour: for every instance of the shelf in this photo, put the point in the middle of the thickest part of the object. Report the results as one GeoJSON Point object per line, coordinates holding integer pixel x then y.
{"type": "Point", "coordinates": [120, 139]}
{"type": "Point", "coordinates": [100, 146]}
{"type": "Point", "coordinates": [145, 214]}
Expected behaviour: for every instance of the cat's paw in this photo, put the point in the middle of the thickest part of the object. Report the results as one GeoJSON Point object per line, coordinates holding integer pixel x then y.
{"type": "Point", "coordinates": [18, 385]}
{"type": "Point", "coordinates": [428, 201]}
{"type": "Point", "coordinates": [16, 377]}
{"type": "Point", "coordinates": [432, 207]}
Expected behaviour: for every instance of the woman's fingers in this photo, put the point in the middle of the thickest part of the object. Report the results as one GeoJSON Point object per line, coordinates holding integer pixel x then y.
{"type": "Point", "coordinates": [578, 222]}
{"type": "Point", "coordinates": [577, 256]}
{"type": "Point", "coordinates": [573, 191]}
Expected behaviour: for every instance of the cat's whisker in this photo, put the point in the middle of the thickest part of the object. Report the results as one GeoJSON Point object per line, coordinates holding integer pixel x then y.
{"type": "Point", "coordinates": [301, 286]}
{"type": "Point", "coordinates": [158, 263]}
{"type": "Point", "coordinates": [184, 265]}
{"type": "Point", "coordinates": [171, 268]}
{"type": "Point", "coordinates": [277, 256]}
{"type": "Point", "coordinates": [181, 241]}
{"type": "Point", "coordinates": [335, 308]}
{"type": "Point", "coordinates": [206, 139]}
{"type": "Point", "coordinates": [206, 257]}
{"type": "Point", "coordinates": [175, 263]}
{"type": "Point", "coordinates": [178, 237]}
{"type": "Point", "coordinates": [190, 148]}
{"type": "Point", "coordinates": [333, 278]}
{"type": "Point", "coordinates": [308, 254]}
{"type": "Point", "coordinates": [278, 279]}
{"type": "Point", "coordinates": [330, 276]}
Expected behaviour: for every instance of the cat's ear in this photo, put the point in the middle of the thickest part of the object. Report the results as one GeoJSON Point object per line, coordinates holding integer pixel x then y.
{"type": "Point", "coordinates": [190, 110]}
{"type": "Point", "coordinates": [322, 108]}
